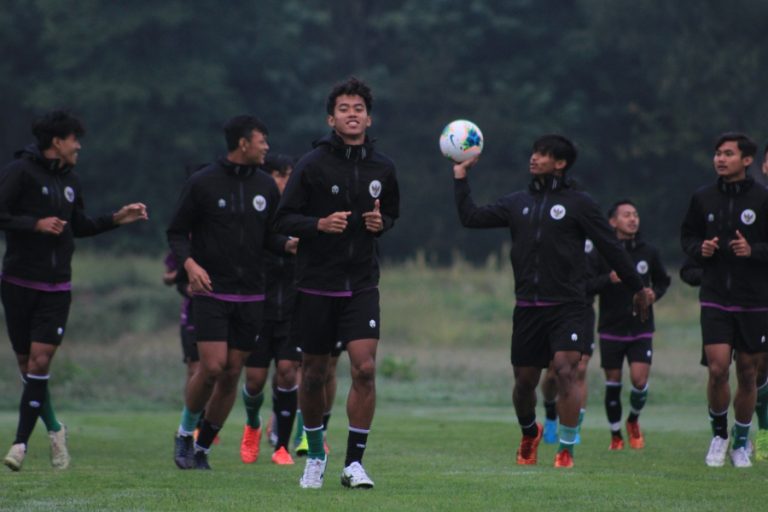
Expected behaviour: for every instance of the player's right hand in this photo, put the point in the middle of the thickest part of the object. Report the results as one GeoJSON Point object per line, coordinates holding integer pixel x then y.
{"type": "Point", "coordinates": [50, 225]}
{"type": "Point", "coordinates": [199, 281]}
{"type": "Point", "coordinates": [333, 224]}
{"type": "Point", "coordinates": [708, 247]}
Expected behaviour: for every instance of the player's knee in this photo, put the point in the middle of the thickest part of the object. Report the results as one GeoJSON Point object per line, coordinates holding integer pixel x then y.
{"type": "Point", "coordinates": [718, 373]}
{"type": "Point", "coordinates": [364, 372]}
{"type": "Point", "coordinates": [747, 377]}
{"type": "Point", "coordinates": [286, 376]}
{"type": "Point", "coordinates": [38, 364]}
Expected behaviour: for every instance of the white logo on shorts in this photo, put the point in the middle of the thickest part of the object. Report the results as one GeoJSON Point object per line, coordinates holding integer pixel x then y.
{"type": "Point", "coordinates": [526, 210]}
{"type": "Point", "coordinates": [748, 217]}
{"type": "Point", "coordinates": [60, 331]}
{"type": "Point", "coordinates": [649, 354]}
{"type": "Point", "coordinates": [711, 217]}
{"type": "Point", "coordinates": [574, 337]}
{"type": "Point", "coordinates": [260, 203]}
{"type": "Point", "coordinates": [339, 344]}
{"type": "Point", "coordinates": [45, 191]}
{"type": "Point", "coordinates": [34, 403]}
{"type": "Point", "coordinates": [375, 189]}
{"type": "Point", "coordinates": [69, 194]}
{"type": "Point", "coordinates": [335, 189]}
{"type": "Point", "coordinates": [762, 340]}
{"type": "Point", "coordinates": [372, 323]}
{"type": "Point", "coordinates": [222, 203]}
{"type": "Point", "coordinates": [642, 267]}
{"type": "Point", "coordinates": [557, 212]}
{"type": "Point", "coordinates": [588, 246]}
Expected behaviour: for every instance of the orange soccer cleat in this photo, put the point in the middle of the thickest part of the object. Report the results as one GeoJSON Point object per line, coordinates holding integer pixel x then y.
{"type": "Point", "coordinates": [281, 457]}
{"type": "Point", "coordinates": [564, 459]}
{"type": "Point", "coordinates": [617, 443]}
{"type": "Point", "coordinates": [636, 439]}
{"type": "Point", "coordinates": [249, 445]}
{"type": "Point", "coordinates": [527, 453]}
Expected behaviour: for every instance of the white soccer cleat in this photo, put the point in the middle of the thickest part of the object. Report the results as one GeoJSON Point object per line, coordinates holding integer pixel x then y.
{"type": "Point", "coordinates": [740, 458]}
{"type": "Point", "coordinates": [314, 470]}
{"type": "Point", "coordinates": [15, 457]}
{"type": "Point", "coordinates": [718, 449]}
{"type": "Point", "coordinates": [355, 477]}
{"type": "Point", "coordinates": [59, 453]}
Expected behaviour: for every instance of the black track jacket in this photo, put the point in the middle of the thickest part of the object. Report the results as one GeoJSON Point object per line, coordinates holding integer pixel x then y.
{"type": "Point", "coordinates": [616, 299]}
{"type": "Point", "coordinates": [718, 210]}
{"type": "Point", "coordinates": [549, 224]}
{"type": "Point", "coordinates": [222, 221]}
{"type": "Point", "coordinates": [336, 177]}
{"type": "Point", "coordinates": [32, 188]}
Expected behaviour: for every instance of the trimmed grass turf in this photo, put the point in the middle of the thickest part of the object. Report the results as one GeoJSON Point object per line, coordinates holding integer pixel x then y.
{"type": "Point", "coordinates": [421, 458]}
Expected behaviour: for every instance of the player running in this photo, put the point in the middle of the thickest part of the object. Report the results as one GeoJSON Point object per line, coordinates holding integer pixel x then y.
{"type": "Point", "coordinates": [342, 196]}
{"type": "Point", "coordinates": [42, 211]}
{"type": "Point", "coordinates": [622, 335]}
{"type": "Point", "coordinates": [549, 224]}
{"type": "Point", "coordinates": [726, 231]}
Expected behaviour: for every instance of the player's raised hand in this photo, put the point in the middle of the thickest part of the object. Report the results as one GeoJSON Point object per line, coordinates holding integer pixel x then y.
{"type": "Point", "coordinates": [50, 225]}
{"type": "Point", "coordinates": [199, 280]}
{"type": "Point", "coordinates": [708, 247]}
{"type": "Point", "coordinates": [614, 277]}
{"type": "Point", "coordinates": [333, 224]}
{"type": "Point", "coordinates": [740, 246]}
{"type": "Point", "coordinates": [373, 221]}
{"type": "Point", "coordinates": [130, 213]}
{"type": "Point", "coordinates": [460, 168]}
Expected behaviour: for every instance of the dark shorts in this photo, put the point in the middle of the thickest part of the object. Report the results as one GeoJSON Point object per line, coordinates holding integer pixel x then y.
{"type": "Point", "coordinates": [187, 333]}
{"type": "Point", "coordinates": [34, 315]}
{"type": "Point", "coordinates": [539, 332]}
{"type": "Point", "coordinates": [237, 323]}
{"type": "Point", "coordinates": [745, 331]}
{"type": "Point", "coordinates": [274, 344]}
{"type": "Point", "coordinates": [320, 321]}
{"type": "Point", "coordinates": [589, 336]}
{"type": "Point", "coordinates": [613, 352]}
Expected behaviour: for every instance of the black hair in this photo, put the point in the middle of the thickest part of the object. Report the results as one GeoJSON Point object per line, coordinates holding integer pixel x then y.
{"type": "Point", "coordinates": [558, 147]}
{"type": "Point", "coordinates": [241, 127]}
{"type": "Point", "coordinates": [746, 145]}
{"type": "Point", "coordinates": [57, 123]}
{"type": "Point", "coordinates": [278, 163]}
{"type": "Point", "coordinates": [613, 210]}
{"type": "Point", "coordinates": [350, 87]}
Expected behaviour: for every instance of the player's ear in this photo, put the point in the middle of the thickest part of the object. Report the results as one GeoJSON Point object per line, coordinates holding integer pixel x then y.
{"type": "Point", "coordinates": [331, 122]}
{"type": "Point", "coordinates": [560, 164]}
{"type": "Point", "coordinates": [747, 160]}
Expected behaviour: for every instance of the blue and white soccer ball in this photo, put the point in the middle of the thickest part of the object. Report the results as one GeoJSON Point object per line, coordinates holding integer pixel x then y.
{"type": "Point", "coordinates": [461, 140]}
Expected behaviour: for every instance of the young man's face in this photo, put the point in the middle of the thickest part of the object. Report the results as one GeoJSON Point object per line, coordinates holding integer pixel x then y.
{"type": "Point", "coordinates": [625, 221]}
{"type": "Point", "coordinates": [281, 180]}
{"type": "Point", "coordinates": [729, 163]}
{"type": "Point", "coordinates": [765, 163]}
{"type": "Point", "coordinates": [350, 118]}
{"type": "Point", "coordinates": [541, 164]}
{"type": "Point", "coordinates": [254, 149]}
{"type": "Point", "coordinates": [67, 149]}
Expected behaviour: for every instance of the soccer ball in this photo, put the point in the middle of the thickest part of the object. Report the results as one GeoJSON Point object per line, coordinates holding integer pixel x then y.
{"type": "Point", "coordinates": [461, 140]}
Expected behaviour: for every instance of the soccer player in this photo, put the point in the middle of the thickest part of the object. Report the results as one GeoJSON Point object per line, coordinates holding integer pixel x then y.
{"type": "Point", "coordinates": [275, 343]}
{"type": "Point", "coordinates": [342, 196]}
{"type": "Point", "coordinates": [549, 382]}
{"type": "Point", "coordinates": [622, 335]}
{"type": "Point", "coordinates": [218, 233]}
{"type": "Point", "coordinates": [42, 211]}
{"type": "Point", "coordinates": [726, 231]}
{"type": "Point", "coordinates": [178, 278]}
{"type": "Point", "coordinates": [549, 224]}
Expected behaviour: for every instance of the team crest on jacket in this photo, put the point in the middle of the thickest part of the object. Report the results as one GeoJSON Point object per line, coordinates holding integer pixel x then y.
{"type": "Point", "coordinates": [748, 217]}
{"type": "Point", "coordinates": [260, 203]}
{"type": "Point", "coordinates": [69, 194]}
{"type": "Point", "coordinates": [45, 190]}
{"type": "Point", "coordinates": [335, 189]}
{"type": "Point", "coordinates": [557, 212]}
{"type": "Point", "coordinates": [588, 246]}
{"type": "Point", "coordinates": [375, 188]}
{"type": "Point", "coordinates": [222, 203]}
{"type": "Point", "coordinates": [642, 267]}
{"type": "Point", "coordinates": [526, 210]}
{"type": "Point", "coordinates": [711, 217]}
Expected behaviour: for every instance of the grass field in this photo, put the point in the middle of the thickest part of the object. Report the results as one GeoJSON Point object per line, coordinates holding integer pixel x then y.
{"type": "Point", "coordinates": [445, 433]}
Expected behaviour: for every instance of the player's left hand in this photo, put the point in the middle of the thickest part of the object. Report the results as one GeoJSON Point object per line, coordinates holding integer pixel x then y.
{"type": "Point", "coordinates": [640, 305]}
{"type": "Point", "coordinates": [740, 246]}
{"type": "Point", "coordinates": [373, 221]}
{"type": "Point", "coordinates": [651, 295]}
{"type": "Point", "coordinates": [130, 213]}
{"type": "Point", "coordinates": [292, 245]}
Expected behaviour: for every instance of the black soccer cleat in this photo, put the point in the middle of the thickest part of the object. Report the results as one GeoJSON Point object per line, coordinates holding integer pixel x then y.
{"type": "Point", "coordinates": [201, 460]}
{"type": "Point", "coordinates": [183, 452]}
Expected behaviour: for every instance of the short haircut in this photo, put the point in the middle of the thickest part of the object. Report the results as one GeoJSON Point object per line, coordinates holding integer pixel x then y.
{"type": "Point", "coordinates": [614, 209]}
{"type": "Point", "coordinates": [241, 127]}
{"type": "Point", "coordinates": [558, 147]}
{"type": "Point", "coordinates": [746, 145]}
{"type": "Point", "coordinates": [57, 123]}
{"type": "Point", "coordinates": [278, 163]}
{"type": "Point", "coordinates": [350, 87]}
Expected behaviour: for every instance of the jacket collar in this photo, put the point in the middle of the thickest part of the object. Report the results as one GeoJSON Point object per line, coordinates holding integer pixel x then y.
{"type": "Point", "coordinates": [735, 188]}
{"type": "Point", "coordinates": [548, 182]}
{"type": "Point", "coordinates": [52, 166]}
{"type": "Point", "coordinates": [239, 170]}
{"type": "Point", "coordinates": [337, 146]}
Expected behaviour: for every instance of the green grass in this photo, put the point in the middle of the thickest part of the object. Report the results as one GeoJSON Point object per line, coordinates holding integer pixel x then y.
{"type": "Point", "coordinates": [444, 437]}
